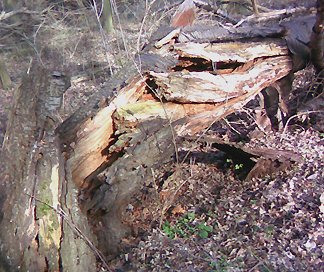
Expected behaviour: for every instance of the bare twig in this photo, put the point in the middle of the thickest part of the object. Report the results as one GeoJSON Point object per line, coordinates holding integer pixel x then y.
{"type": "Point", "coordinates": [6, 15]}
{"type": "Point", "coordinates": [103, 38]}
{"type": "Point", "coordinates": [215, 10]}
{"type": "Point", "coordinates": [276, 14]}
{"type": "Point", "coordinates": [255, 7]}
{"type": "Point", "coordinates": [292, 117]}
{"type": "Point", "coordinates": [114, 6]}
{"type": "Point", "coordinates": [230, 126]}
{"type": "Point", "coordinates": [147, 10]}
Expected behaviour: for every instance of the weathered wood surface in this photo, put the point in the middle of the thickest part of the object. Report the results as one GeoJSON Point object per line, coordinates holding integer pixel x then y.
{"type": "Point", "coordinates": [202, 88]}
{"type": "Point", "coordinates": [232, 51]}
{"type": "Point", "coordinates": [133, 126]}
{"type": "Point", "coordinates": [102, 154]}
{"type": "Point", "coordinates": [34, 233]}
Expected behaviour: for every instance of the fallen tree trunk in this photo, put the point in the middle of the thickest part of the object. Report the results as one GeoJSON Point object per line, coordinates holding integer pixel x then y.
{"type": "Point", "coordinates": [113, 151]}
{"type": "Point", "coordinates": [75, 183]}
{"type": "Point", "coordinates": [259, 71]}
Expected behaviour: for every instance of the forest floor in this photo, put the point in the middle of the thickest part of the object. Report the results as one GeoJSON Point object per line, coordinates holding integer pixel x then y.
{"type": "Point", "coordinates": [203, 212]}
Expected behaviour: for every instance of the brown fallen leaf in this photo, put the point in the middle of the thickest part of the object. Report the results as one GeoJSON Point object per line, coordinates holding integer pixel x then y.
{"type": "Point", "coordinates": [178, 210]}
{"type": "Point", "coordinates": [164, 195]}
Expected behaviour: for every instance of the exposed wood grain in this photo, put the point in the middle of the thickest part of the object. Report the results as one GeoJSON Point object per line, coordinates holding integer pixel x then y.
{"type": "Point", "coordinates": [132, 115]}
{"type": "Point", "coordinates": [32, 229]}
{"type": "Point", "coordinates": [232, 51]}
{"type": "Point", "coordinates": [271, 71]}
{"type": "Point", "coordinates": [204, 87]}
{"type": "Point", "coordinates": [96, 133]}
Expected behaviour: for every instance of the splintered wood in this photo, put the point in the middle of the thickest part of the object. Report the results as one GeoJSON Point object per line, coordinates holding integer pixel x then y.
{"type": "Point", "coordinates": [114, 143]}
{"type": "Point", "coordinates": [203, 83]}
{"type": "Point", "coordinates": [98, 132]}
{"type": "Point", "coordinates": [232, 51]}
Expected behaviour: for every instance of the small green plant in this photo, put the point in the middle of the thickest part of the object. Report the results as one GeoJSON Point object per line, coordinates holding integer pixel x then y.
{"type": "Point", "coordinates": [221, 265]}
{"type": "Point", "coordinates": [238, 166]}
{"type": "Point", "coordinates": [204, 230]}
{"type": "Point", "coordinates": [169, 230]}
{"type": "Point", "coordinates": [269, 230]}
{"type": "Point", "coordinates": [185, 227]}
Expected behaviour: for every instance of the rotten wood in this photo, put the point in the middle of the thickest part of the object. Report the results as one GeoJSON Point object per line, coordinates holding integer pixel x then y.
{"type": "Point", "coordinates": [232, 51]}
{"type": "Point", "coordinates": [111, 153]}
{"type": "Point", "coordinates": [273, 71]}
{"type": "Point", "coordinates": [98, 130]}
{"type": "Point", "coordinates": [95, 161]}
{"type": "Point", "coordinates": [107, 149]}
{"type": "Point", "coordinates": [204, 87]}
{"type": "Point", "coordinates": [87, 158]}
{"type": "Point", "coordinates": [112, 144]}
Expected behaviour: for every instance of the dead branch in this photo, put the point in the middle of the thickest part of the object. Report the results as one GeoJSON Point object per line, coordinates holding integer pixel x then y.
{"type": "Point", "coordinates": [7, 15]}
{"type": "Point", "coordinates": [214, 10]}
{"type": "Point", "coordinates": [275, 15]}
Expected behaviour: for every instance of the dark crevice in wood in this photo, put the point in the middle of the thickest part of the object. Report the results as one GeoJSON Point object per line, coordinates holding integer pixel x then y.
{"type": "Point", "coordinates": [193, 64]}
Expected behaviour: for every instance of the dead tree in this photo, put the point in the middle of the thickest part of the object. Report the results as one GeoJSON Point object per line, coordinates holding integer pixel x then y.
{"type": "Point", "coordinates": [68, 184]}
{"type": "Point", "coordinates": [40, 207]}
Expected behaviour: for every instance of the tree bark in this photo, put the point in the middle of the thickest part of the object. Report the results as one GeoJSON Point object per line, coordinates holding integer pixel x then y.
{"type": "Point", "coordinates": [107, 16]}
{"type": "Point", "coordinates": [317, 39]}
{"type": "Point", "coordinates": [5, 80]}
{"type": "Point", "coordinates": [40, 203]}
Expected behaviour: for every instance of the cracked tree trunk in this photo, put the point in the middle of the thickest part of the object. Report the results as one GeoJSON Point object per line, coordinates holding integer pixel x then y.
{"type": "Point", "coordinates": [42, 228]}
{"type": "Point", "coordinates": [66, 181]}
{"type": "Point", "coordinates": [114, 144]}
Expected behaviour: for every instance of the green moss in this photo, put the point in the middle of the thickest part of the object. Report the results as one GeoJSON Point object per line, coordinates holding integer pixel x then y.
{"type": "Point", "coordinates": [43, 210]}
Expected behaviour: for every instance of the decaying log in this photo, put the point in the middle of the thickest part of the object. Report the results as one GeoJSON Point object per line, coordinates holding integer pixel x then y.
{"type": "Point", "coordinates": [102, 154]}
{"type": "Point", "coordinates": [130, 132]}
{"type": "Point", "coordinates": [89, 157]}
